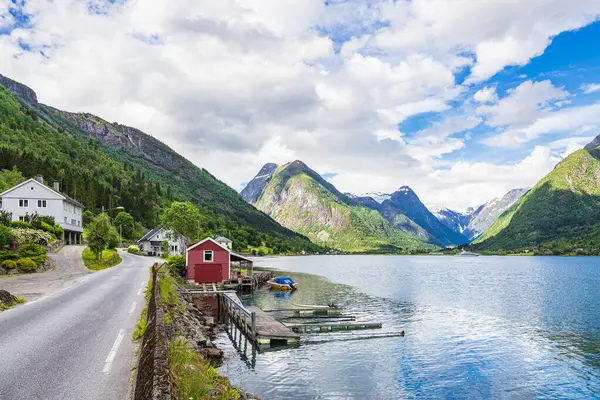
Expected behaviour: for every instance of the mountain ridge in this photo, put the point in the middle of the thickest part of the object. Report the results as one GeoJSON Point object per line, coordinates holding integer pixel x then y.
{"type": "Point", "coordinates": [299, 198]}
{"type": "Point", "coordinates": [50, 141]}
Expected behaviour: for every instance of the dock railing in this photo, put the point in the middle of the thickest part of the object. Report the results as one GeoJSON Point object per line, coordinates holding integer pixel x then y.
{"type": "Point", "coordinates": [233, 311]}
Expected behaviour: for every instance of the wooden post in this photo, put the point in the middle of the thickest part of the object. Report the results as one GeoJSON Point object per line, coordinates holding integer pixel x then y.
{"type": "Point", "coordinates": [253, 332]}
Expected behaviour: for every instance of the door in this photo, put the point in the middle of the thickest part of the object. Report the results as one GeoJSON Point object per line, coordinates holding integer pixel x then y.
{"type": "Point", "coordinates": [208, 273]}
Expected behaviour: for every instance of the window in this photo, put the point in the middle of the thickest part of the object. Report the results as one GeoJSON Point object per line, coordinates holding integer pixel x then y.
{"type": "Point", "coordinates": [73, 222]}
{"type": "Point", "coordinates": [31, 188]}
{"type": "Point", "coordinates": [78, 223]}
{"type": "Point", "coordinates": [208, 256]}
{"type": "Point", "coordinates": [24, 203]}
{"type": "Point", "coordinates": [41, 203]}
{"type": "Point", "coordinates": [65, 220]}
{"type": "Point", "coordinates": [21, 218]}
{"type": "Point", "coordinates": [65, 207]}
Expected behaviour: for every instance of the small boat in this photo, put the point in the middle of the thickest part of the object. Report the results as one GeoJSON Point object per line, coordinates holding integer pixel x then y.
{"type": "Point", "coordinates": [467, 254]}
{"type": "Point", "coordinates": [283, 283]}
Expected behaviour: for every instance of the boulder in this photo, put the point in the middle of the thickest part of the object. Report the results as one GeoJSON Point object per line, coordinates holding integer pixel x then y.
{"type": "Point", "coordinates": [7, 298]}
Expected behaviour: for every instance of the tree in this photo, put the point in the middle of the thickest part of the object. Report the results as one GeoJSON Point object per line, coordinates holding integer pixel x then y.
{"type": "Point", "coordinates": [10, 178]}
{"type": "Point", "coordinates": [125, 223]}
{"type": "Point", "coordinates": [99, 235]}
{"type": "Point", "coordinates": [183, 219]}
{"type": "Point", "coordinates": [87, 217]}
{"type": "Point", "coordinates": [5, 217]}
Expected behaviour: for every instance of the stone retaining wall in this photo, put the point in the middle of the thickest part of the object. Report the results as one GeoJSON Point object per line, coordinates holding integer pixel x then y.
{"type": "Point", "coordinates": [153, 381]}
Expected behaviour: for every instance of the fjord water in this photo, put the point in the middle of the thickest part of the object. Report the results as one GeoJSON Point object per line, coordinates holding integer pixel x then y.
{"type": "Point", "coordinates": [485, 327]}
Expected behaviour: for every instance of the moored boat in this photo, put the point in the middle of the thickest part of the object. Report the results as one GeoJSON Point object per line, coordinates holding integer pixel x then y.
{"type": "Point", "coordinates": [283, 283]}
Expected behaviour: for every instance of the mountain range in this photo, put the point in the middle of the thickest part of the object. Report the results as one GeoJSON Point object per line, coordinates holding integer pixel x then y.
{"type": "Point", "coordinates": [300, 199]}
{"type": "Point", "coordinates": [109, 164]}
{"type": "Point", "coordinates": [474, 222]}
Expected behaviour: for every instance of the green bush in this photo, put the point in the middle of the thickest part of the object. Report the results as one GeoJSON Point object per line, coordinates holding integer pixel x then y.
{"type": "Point", "coordinates": [21, 224]}
{"type": "Point", "coordinates": [177, 263]}
{"type": "Point", "coordinates": [9, 264]}
{"type": "Point", "coordinates": [33, 251]}
{"type": "Point", "coordinates": [5, 217]}
{"type": "Point", "coordinates": [8, 255]}
{"type": "Point", "coordinates": [26, 264]}
{"type": "Point", "coordinates": [7, 236]}
{"type": "Point", "coordinates": [114, 240]}
{"type": "Point", "coordinates": [133, 249]}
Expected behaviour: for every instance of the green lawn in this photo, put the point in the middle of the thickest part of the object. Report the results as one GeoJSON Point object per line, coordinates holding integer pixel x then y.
{"type": "Point", "coordinates": [110, 258]}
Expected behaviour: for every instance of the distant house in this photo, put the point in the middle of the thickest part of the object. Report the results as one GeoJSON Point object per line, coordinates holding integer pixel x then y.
{"type": "Point", "coordinates": [209, 261]}
{"type": "Point", "coordinates": [151, 243]}
{"type": "Point", "coordinates": [224, 241]}
{"type": "Point", "coordinates": [33, 196]}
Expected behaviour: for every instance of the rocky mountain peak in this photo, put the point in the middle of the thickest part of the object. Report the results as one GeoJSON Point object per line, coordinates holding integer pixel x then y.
{"type": "Point", "coordinates": [268, 168]}
{"type": "Point", "coordinates": [23, 92]}
{"type": "Point", "coordinates": [593, 144]}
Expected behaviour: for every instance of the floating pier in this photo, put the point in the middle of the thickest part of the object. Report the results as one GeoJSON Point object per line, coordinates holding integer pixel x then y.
{"type": "Point", "coordinates": [270, 331]}
{"type": "Point", "coordinates": [341, 326]}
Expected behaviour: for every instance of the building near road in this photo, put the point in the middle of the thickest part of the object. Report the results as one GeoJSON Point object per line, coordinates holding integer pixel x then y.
{"type": "Point", "coordinates": [33, 196]}
{"type": "Point", "coordinates": [151, 243]}
{"type": "Point", "coordinates": [209, 261]}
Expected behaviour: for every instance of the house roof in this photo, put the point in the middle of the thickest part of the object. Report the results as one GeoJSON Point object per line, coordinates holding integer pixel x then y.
{"type": "Point", "coordinates": [222, 239]}
{"type": "Point", "coordinates": [31, 180]}
{"type": "Point", "coordinates": [206, 240]}
{"type": "Point", "coordinates": [232, 256]}
{"type": "Point", "coordinates": [154, 231]}
{"type": "Point", "coordinates": [149, 234]}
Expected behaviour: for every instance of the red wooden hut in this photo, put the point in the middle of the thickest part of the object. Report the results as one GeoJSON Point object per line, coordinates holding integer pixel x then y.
{"type": "Point", "coordinates": [208, 261]}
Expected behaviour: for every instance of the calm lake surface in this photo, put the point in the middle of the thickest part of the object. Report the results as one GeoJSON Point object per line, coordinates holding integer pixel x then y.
{"type": "Point", "coordinates": [484, 327]}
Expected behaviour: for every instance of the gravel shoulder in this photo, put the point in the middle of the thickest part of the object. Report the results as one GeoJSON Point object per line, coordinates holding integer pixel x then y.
{"type": "Point", "coordinates": [68, 269]}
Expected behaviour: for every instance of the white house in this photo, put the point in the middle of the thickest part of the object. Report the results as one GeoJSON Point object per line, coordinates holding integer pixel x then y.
{"type": "Point", "coordinates": [150, 244]}
{"type": "Point", "coordinates": [223, 241]}
{"type": "Point", "coordinates": [32, 196]}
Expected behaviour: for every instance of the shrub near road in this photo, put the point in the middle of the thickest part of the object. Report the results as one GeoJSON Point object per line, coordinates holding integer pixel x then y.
{"type": "Point", "coordinates": [109, 259]}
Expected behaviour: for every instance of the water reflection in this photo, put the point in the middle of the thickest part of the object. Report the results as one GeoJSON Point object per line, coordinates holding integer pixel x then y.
{"type": "Point", "coordinates": [495, 327]}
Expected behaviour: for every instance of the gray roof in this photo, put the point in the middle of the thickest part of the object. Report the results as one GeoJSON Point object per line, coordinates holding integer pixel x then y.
{"type": "Point", "coordinates": [150, 233]}
{"type": "Point", "coordinates": [222, 239]}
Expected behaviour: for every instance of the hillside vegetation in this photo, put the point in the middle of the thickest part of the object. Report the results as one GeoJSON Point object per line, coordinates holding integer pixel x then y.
{"type": "Point", "coordinates": [301, 200]}
{"type": "Point", "coordinates": [144, 178]}
{"type": "Point", "coordinates": [560, 215]}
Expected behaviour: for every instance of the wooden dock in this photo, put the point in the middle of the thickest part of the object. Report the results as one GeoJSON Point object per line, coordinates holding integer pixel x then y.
{"type": "Point", "coordinates": [339, 326]}
{"type": "Point", "coordinates": [270, 331]}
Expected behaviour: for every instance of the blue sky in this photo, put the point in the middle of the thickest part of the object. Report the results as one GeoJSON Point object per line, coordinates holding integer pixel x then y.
{"type": "Point", "coordinates": [461, 100]}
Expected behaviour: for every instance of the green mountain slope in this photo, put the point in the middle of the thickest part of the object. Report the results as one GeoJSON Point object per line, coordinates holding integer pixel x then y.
{"type": "Point", "coordinates": [559, 214]}
{"type": "Point", "coordinates": [300, 199]}
{"type": "Point", "coordinates": [104, 164]}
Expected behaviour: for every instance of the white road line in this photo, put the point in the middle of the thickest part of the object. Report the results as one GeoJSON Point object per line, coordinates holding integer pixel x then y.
{"type": "Point", "coordinates": [113, 351]}
{"type": "Point", "coordinates": [133, 307]}
{"type": "Point", "coordinates": [139, 291]}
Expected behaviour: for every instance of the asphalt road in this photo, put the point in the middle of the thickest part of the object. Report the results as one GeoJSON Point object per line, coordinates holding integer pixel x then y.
{"type": "Point", "coordinates": [68, 268]}
{"type": "Point", "coordinates": [75, 343]}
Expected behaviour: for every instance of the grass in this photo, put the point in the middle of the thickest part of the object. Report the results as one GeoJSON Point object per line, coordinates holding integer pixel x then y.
{"type": "Point", "coordinates": [19, 300]}
{"type": "Point", "coordinates": [140, 327]}
{"type": "Point", "coordinates": [110, 258]}
{"type": "Point", "coordinates": [194, 378]}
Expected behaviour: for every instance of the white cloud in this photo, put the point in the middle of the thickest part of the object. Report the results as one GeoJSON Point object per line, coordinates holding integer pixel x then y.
{"type": "Point", "coordinates": [566, 120]}
{"type": "Point", "coordinates": [486, 95]}
{"type": "Point", "coordinates": [253, 81]}
{"type": "Point", "coordinates": [524, 104]}
{"type": "Point", "coordinates": [591, 88]}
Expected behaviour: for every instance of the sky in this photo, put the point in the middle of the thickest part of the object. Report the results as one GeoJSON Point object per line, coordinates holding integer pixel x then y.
{"type": "Point", "coordinates": [461, 100]}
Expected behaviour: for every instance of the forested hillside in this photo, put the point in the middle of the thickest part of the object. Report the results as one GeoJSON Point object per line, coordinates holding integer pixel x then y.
{"type": "Point", "coordinates": [559, 215]}
{"type": "Point", "coordinates": [143, 178]}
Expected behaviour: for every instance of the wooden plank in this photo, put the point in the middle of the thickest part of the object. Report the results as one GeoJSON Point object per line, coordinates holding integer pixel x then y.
{"type": "Point", "coordinates": [303, 309]}
{"type": "Point", "coordinates": [332, 327]}
{"type": "Point", "coordinates": [214, 287]}
{"type": "Point", "coordinates": [269, 328]}
{"type": "Point", "coordinates": [204, 286]}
